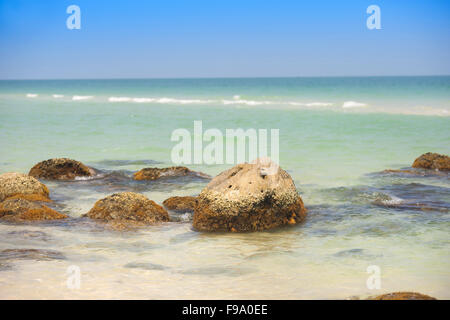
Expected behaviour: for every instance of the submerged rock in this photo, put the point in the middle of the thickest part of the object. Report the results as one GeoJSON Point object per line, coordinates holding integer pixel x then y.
{"type": "Point", "coordinates": [61, 169]}
{"type": "Point", "coordinates": [121, 209]}
{"type": "Point", "coordinates": [145, 266]}
{"type": "Point", "coordinates": [404, 205]}
{"type": "Point", "coordinates": [399, 171]}
{"type": "Point", "coordinates": [247, 198]}
{"type": "Point", "coordinates": [5, 266]}
{"type": "Point", "coordinates": [19, 210]}
{"type": "Point", "coordinates": [432, 161]}
{"type": "Point", "coordinates": [180, 204]}
{"type": "Point", "coordinates": [30, 254]}
{"type": "Point", "coordinates": [158, 173]}
{"type": "Point", "coordinates": [23, 186]}
{"type": "Point", "coordinates": [403, 296]}
{"type": "Point", "coordinates": [30, 234]}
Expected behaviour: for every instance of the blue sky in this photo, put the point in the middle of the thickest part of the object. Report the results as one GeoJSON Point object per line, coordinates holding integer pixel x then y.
{"type": "Point", "coordinates": [227, 38]}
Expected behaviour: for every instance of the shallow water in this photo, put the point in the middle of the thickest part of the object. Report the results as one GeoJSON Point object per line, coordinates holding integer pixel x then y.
{"type": "Point", "coordinates": [358, 215]}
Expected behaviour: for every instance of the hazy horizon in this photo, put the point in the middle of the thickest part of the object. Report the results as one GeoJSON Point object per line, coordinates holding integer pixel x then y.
{"type": "Point", "coordinates": [230, 77]}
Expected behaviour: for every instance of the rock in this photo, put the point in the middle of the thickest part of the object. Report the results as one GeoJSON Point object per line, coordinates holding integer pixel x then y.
{"type": "Point", "coordinates": [247, 198]}
{"type": "Point", "coordinates": [121, 209]}
{"type": "Point", "coordinates": [157, 173]}
{"type": "Point", "coordinates": [432, 161]}
{"type": "Point", "coordinates": [30, 254]}
{"type": "Point", "coordinates": [145, 266]}
{"type": "Point", "coordinates": [20, 185]}
{"type": "Point", "coordinates": [19, 210]}
{"type": "Point", "coordinates": [30, 234]}
{"type": "Point", "coordinates": [403, 296]}
{"type": "Point", "coordinates": [399, 171]}
{"type": "Point", "coordinates": [5, 266]}
{"type": "Point", "coordinates": [61, 169]}
{"type": "Point", "coordinates": [404, 205]}
{"type": "Point", "coordinates": [180, 204]}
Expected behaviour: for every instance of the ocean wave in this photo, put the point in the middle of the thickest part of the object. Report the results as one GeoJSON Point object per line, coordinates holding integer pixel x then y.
{"type": "Point", "coordinates": [77, 98]}
{"type": "Point", "coordinates": [182, 101]}
{"type": "Point", "coordinates": [311, 104]}
{"type": "Point", "coordinates": [163, 100]}
{"type": "Point", "coordinates": [353, 104]}
{"type": "Point", "coordinates": [246, 102]}
{"type": "Point", "coordinates": [236, 100]}
{"type": "Point", "coordinates": [119, 99]}
{"type": "Point", "coordinates": [143, 100]}
{"type": "Point", "coordinates": [241, 101]}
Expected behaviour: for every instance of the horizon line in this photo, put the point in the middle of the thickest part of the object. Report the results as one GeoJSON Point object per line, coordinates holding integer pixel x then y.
{"type": "Point", "coordinates": [224, 77]}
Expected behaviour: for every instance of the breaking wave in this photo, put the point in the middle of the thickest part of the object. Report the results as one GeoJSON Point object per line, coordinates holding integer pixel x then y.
{"type": "Point", "coordinates": [236, 100]}
{"type": "Point", "coordinates": [77, 98]}
{"type": "Point", "coordinates": [353, 104]}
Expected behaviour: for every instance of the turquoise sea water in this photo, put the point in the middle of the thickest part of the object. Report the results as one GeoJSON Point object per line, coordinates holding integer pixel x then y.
{"type": "Point", "coordinates": [336, 136]}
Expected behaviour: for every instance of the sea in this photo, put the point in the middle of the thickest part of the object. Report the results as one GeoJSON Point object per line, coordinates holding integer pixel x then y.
{"type": "Point", "coordinates": [368, 231]}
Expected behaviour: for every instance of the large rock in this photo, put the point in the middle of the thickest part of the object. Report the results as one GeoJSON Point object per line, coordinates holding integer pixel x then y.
{"type": "Point", "coordinates": [157, 173]}
{"type": "Point", "coordinates": [20, 185]}
{"type": "Point", "coordinates": [433, 161]}
{"type": "Point", "coordinates": [61, 169]}
{"type": "Point", "coordinates": [403, 296]}
{"type": "Point", "coordinates": [128, 207]}
{"type": "Point", "coordinates": [247, 198]}
{"type": "Point", "coordinates": [19, 210]}
{"type": "Point", "coordinates": [180, 204]}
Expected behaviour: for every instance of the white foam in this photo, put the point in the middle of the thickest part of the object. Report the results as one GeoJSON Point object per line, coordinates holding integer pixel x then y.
{"type": "Point", "coordinates": [311, 104]}
{"type": "Point", "coordinates": [235, 101]}
{"type": "Point", "coordinates": [353, 104]}
{"type": "Point", "coordinates": [32, 95]}
{"type": "Point", "coordinates": [393, 200]}
{"type": "Point", "coordinates": [83, 178]}
{"type": "Point", "coordinates": [57, 96]}
{"type": "Point", "coordinates": [182, 101]}
{"type": "Point", "coordinates": [319, 104]}
{"type": "Point", "coordinates": [163, 100]}
{"type": "Point", "coordinates": [119, 99]}
{"type": "Point", "coordinates": [143, 100]}
{"type": "Point", "coordinates": [246, 102]}
{"type": "Point", "coordinates": [76, 98]}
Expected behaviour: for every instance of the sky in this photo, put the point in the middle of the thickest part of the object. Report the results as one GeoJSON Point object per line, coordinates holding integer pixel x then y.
{"type": "Point", "coordinates": [222, 38]}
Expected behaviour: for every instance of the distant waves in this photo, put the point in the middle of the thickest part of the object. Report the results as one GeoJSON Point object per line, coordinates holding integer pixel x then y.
{"type": "Point", "coordinates": [239, 101]}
